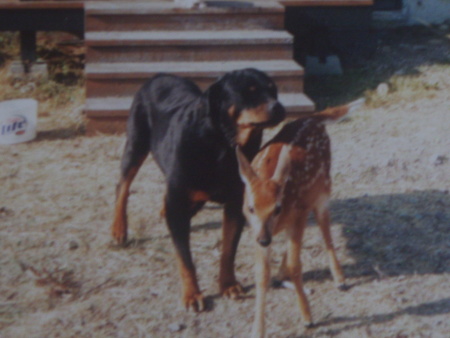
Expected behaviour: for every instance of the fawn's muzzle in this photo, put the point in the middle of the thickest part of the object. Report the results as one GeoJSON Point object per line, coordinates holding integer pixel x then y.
{"type": "Point", "coordinates": [264, 239]}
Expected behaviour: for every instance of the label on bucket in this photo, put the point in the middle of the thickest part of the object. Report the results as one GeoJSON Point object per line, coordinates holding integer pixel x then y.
{"type": "Point", "coordinates": [17, 121]}
{"type": "Point", "coordinates": [16, 125]}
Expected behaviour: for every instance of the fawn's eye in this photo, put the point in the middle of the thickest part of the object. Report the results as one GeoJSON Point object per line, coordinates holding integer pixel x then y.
{"type": "Point", "coordinates": [277, 210]}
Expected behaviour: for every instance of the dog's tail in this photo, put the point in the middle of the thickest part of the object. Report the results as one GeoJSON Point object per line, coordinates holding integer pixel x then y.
{"type": "Point", "coordinates": [337, 113]}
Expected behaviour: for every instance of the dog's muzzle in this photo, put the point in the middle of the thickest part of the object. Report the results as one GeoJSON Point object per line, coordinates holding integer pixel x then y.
{"type": "Point", "coordinates": [276, 113]}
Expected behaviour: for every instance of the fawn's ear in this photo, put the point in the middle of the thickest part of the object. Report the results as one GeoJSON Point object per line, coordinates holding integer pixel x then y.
{"type": "Point", "coordinates": [281, 173]}
{"type": "Point", "coordinates": [245, 169]}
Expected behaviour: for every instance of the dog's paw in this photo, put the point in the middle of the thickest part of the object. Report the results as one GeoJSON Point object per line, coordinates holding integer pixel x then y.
{"type": "Point", "coordinates": [120, 237]}
{"type": "Point", "coordinates": [119, 233]}
{"type": "Point", "coordinates": [194, 302]}
{"type": "Point", "coordinates": [233, 291]}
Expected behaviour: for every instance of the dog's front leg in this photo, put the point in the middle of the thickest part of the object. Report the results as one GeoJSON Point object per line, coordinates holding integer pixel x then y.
{"type": "Point", "coordinates": [178, 220]}
{"type": "Point", "coordinates": [233, 223]}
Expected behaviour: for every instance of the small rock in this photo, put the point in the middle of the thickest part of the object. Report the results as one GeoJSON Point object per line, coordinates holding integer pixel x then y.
{"type": "Point", "coordinates": [288, 285]}
{"type": "Point", "coordinates": [176, 327]}
{"type": "Point", "coordinates": [73, 245]}
{"type": "Point", "coordinates": [382, 90]}
{"type": "Point", "coordinates": [439, 160]}
{"type": "Point", "coordinates": [28, 88]}
{"type": "Point", "coordinates": [308, 291]}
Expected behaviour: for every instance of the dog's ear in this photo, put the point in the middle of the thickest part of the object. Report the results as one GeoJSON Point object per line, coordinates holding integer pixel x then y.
{"type": "Point", "coordinates": [214, 95]}
{"type": "Point", "coordinates": [218, 104]}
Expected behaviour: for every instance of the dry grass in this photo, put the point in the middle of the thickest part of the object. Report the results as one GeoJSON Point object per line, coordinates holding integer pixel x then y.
{"type": "Point", "coordinates": [425, 83]}
{"type": "Point", "coordinates": [401, 61]}
{"type": "Point", "coordinates": [61, 93]}
{"type": "Point", "coordinates": [62, 277]}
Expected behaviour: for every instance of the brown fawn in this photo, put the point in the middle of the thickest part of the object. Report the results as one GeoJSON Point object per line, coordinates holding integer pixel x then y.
{"type": "Point", "coordinates": [289, 178]}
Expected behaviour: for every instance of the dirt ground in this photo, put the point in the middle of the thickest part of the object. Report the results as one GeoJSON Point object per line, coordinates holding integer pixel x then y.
{"type": "Point", "coordinates": [61, 276]}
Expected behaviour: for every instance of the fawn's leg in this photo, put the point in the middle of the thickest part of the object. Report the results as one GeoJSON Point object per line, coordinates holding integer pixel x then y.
{"type": "Point", "coordinates": [262, 277]}
{"type": "Point", "coordinates": [322, 215]}
{"type": "Point", "coordinates": [294, 265]}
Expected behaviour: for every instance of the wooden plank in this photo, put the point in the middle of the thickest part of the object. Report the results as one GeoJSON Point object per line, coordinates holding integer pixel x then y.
{"type": "Point", "coordinates": [209, 69]}
{"type": "Point", "coordinates": [124, 79]}
{"type": "Point", "coordinates": [326, 3]}
{"type": "Point", "coordinates": [187, 38]}
{"type": "Point", "coordinates": [199, 52]}
{"type": "Point", "coordinates": [115, 107]}
{"type": "Point", "coordinates": [104, 87]}
{"type": "Point", "coordinates": [15, 4]}
{"type": "Point", "coordinates": [169, 7]}
{"type": "Point", "coordinates": [153, 46]}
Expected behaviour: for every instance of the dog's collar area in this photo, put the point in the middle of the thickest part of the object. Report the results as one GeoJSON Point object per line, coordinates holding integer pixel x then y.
{"type": "Point", "coordinates": [256, 125]}
{"type": "Point", "coordinates": [245, 125]}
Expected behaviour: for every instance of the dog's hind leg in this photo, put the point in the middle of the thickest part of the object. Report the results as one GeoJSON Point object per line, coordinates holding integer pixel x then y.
{"type": "Point", "coordinates": [178, 217]}
{"type": "Point", "coordinates": [136, 150]}
{"type": "Point", "coordinates": [233, 223]}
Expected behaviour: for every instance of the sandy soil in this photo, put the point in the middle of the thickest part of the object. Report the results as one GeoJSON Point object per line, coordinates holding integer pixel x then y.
{"type": "Point", "coordinates": [62, 277]}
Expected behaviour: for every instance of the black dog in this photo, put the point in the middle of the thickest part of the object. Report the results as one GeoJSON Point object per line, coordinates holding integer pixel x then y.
{"type": "Point", "coordinates": [192, 136]}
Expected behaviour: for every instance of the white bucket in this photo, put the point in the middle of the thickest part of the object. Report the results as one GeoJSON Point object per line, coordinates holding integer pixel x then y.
{"type": "Point", "coordinates": [18, 119]}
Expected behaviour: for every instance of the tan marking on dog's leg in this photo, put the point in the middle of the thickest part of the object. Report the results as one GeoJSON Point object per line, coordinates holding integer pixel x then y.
{"type": "Point", "coordinates": [294, 266]}
{"type": "Point", "coordinates": [322, 215]}
{"type": "Point", "coordinates": [262, 277]}
{"type": "Point", "coordinates": [198, 196]}
{"type": "Point", "coordinates": [192, 298]}
{"type": "Point", "coordinates": [228, 285]}
{"type": "Point", "coordinates": [120, 226]}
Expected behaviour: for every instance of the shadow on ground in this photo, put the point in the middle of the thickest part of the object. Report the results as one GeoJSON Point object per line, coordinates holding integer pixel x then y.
{"type": "Point", "coordinates": [397, 234]}
{"type": "Point", "coordinates": [60, 134]}
{"type": "Point", "coordinates": [392, 235]}
{"type": "Point", "coordinates": [439, 307]}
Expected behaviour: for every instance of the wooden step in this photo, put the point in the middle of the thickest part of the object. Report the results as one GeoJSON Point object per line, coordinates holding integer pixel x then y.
{"type": "Point", "coordinates": [128, 42]}
{"type": "Point", "coordinates": [141, 46]}
{"type": "Point", "coordinates": [109, 115]}
{"type": "Point", "coordinates": [326, 3]}
{"type": "Point", "coordinates": [150, 15]}
{"type": "Point", "coordinates": [124, 79]}
{"type": "Point", "coordinates": [295, 103]}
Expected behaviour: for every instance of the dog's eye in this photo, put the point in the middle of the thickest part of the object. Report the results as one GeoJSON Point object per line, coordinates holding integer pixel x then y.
{"type": "Point", "coordinates": [251, 209]}
{"type": "Point", "coordinates": [272, 89]}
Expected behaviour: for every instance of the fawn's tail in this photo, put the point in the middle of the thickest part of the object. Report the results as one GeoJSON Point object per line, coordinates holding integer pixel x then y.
{"type": "Point", "coordinates": [336, 113]}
